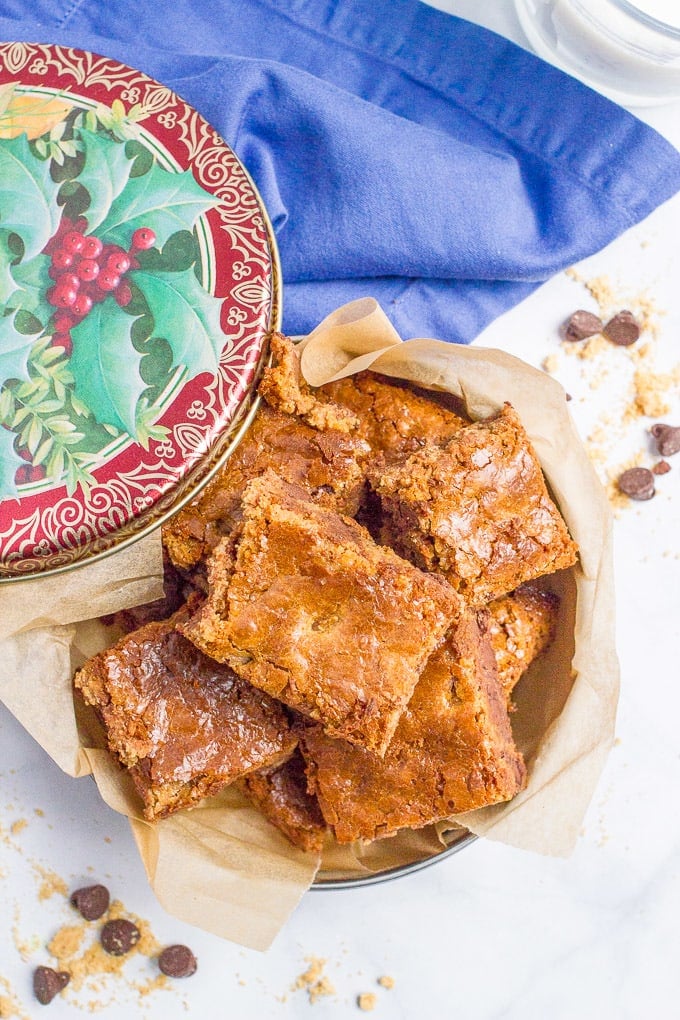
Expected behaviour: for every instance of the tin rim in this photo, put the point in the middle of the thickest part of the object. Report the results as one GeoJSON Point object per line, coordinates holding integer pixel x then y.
{"type": "Point", "coordinates": [455, 840]}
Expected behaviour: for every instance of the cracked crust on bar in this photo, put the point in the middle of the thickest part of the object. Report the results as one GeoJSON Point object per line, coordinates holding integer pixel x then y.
{"type": "Point", "coordinates": [281, 795]}
{"type": "Point", "coordinates": [318, 615]}
{"type": "Point", "coordinates": [183, 725]}
{"type": "Point", "coordinates": [394, 420]}
{"type": "Point", "coordinates": [476, 510]}
{"type": "Point", "coordinates": [453, 749]}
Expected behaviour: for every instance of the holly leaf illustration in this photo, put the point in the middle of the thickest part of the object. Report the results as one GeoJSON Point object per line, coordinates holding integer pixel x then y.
{"type": "Point", "coordinates": [9, 462]}
{"type": "Point", "coordinates": [14, 350]}
{"type": "Point", "coordinates": [164, 202]}
{"type": "Point", "coordinates": [105, 366]}
{"type": "Point", "coordinates": [186, 316]}
{"type": "Point", "coordinates": [31, 281]}
{"type": "Point", "coordinates": [104, 175]}
{"type": "Point", "coordinates": [28, 197]}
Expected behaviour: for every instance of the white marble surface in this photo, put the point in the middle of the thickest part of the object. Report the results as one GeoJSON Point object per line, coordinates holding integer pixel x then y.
{"type": "Point", "coordinates": [491, 932]}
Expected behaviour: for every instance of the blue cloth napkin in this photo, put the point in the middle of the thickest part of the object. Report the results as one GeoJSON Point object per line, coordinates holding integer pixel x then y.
{"type": "Point", "coordinates": [401, 153]}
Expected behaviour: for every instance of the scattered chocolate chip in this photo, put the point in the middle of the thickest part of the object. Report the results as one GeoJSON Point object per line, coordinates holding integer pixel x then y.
{"type": "Point", "coordinates": [568, 396]}
{"type": "Point", "coordinates": [177, 962]}
{"type": "Point", "coordinates": [637, 483]}
{"type": "Point", "coordinates": [48, 982]}
{"type": "Point", "coordinates": [119, 936]}
{"type": "Point", "coordinates": [623, 329]}
{"type": "Point", "coordinates": [667, 438]}
{"type": "Point", "coordinates": [581, 325]}
{"type": "Point", "coordinates": [91, 901]}
{"type": "Point", "coordinates": [662, 467]}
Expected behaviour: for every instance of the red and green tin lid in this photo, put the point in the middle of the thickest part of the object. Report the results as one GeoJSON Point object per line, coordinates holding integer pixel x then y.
{"type": "Point", "coordinates": [138, 282]}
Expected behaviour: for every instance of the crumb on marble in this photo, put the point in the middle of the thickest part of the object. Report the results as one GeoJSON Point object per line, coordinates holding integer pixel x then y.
{"type": "Point", "coordinates": [367, 1001]}
{"type": "Point", "coordinates": [313, 980]}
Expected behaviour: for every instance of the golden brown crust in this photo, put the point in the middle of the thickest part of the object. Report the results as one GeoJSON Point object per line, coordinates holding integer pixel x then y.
{"type": "Point", "coordinates": [521, 626]}
{"type": "Point", "coordinates": [320, 616]}
{"type": "Point", "coordinates": [284, 389]}
{"type": "Point", "coordinates": [184, 725]}
{"type": "Point", "coordinates": [476, 510]}
{"type": "Point", "coordinates": [393, 419]}
{"type": "Point", "coordinates": [327, 464]}
{"type": "Point", "coordinates": [282, 796]}
{"type": "Point", "coordinates": [452, 751]}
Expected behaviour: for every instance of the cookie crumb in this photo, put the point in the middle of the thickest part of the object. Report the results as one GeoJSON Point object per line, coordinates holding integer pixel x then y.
{"type": "Point", "coordinates": [386, 981]}
{"type": "Point", "coordinates": [18, 826]}
{"type": "Point", "coordinates": [313, 980]}
{"type": "Point", "coordinates": [367, 1001]}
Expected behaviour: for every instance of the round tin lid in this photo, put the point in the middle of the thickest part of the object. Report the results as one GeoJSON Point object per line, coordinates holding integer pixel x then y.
{"type": "Point", "coordinates": [138, 281]}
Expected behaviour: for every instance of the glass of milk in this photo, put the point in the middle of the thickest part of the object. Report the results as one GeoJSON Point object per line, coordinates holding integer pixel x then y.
{"type": "Point", "coordinates": [628, 51]}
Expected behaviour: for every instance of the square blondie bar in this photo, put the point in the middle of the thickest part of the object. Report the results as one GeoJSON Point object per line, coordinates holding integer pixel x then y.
{"type": "Point", "coordinates": [476, 510]}
{"type": "Point", "coordinates": [317, 614]}
{"type": "Point", "coordinates": [327, 464]}
{"type": "Point", "coordinates": [452, 751]}
{"type": "Point", "coordinates": [184, 725]}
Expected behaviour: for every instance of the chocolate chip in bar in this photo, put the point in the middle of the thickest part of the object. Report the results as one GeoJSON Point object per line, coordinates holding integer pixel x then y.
{"type": "Point", "coordinates": [91, 901]}
{"type": "Point", "coordinates": [119, 936]}
{"type": "Point", "coordinates": [48, 982]}
{"type": "Point", "coordinates": [581, 325]}
{"type": "Point", "coordinates": [637, 483]}
{"type": "Point", "coordinates": [667, 438]}
{"type": "Point", "coordinates": [177, 962]}
{"type": "Point", "coordinates": [623, 329]}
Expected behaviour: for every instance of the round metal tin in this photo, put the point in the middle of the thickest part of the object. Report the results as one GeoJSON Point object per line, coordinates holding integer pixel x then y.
{"type": "Point", "coordinates": [454, 841]}
{"type": "Point", "coordinates": [139, 280]}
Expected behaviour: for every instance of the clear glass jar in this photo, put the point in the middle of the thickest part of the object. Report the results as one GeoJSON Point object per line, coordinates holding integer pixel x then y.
{"type": "Point", "coordinates": [629, 52]}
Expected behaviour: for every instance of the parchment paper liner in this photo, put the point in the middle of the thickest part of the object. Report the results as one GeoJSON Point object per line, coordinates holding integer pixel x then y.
{"type": "Point", "coordinates": [221, 866]}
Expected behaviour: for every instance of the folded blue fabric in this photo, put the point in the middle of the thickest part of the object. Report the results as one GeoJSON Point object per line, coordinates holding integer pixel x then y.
{"type": "Point", "coordinates": [401, 153]}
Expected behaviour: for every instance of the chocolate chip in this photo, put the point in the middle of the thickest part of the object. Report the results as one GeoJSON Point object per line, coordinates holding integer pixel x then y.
{"type": "Point", "coordinates": [637, 482]}
{"type": "Point", "coordinates": [177, 962]}
{"type": "Point", "coordinates": [91, 901]}
{"type": "Point", "coordinates": [48, 982]}
{"type": "Point", "coordinates": [581, 325]}
{"type": "Point", "coordinates": [119, 936]}
{"type": "Point", "coordinates": [623, 329]}
{"type": "Point", "coordinates": [667, 438]}
{"type": "Point", "coordinates": [662, 467]}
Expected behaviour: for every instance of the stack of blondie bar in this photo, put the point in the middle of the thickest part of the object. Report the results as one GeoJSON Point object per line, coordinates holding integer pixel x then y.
{"type": "Point", "coordinates": [349, 605]}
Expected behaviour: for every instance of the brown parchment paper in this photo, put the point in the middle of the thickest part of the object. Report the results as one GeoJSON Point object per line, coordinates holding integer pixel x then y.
{"type": "Point", "coordinates": [221, 866]}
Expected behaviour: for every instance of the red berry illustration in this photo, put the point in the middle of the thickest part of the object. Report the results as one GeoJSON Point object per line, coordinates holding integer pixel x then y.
{"type": "Point", "coordinates": [82, 304]}
{"type": "Point", "coordinates": [123, 294]}
{"type": "Point", "coordinates": [88, 270]}
{"type": "Point", "coordinates": [62, 296]}
{"type": "Point", "coordinates": [108, 280]}
{"type": "Point", "coordinates": [62, 259]}
{"type": "Point", "coordinates": [63, 340]}
{"type": "Point", "coordinates": [69, 280]}
{"type": "Point", "coordinates": [92, 248]}
{"type": "Point", "coordinates": [118, 262]}
{"type": "Point", "coordinates": [62, 322]}
{"type": "Point", "coordinates": [29, 473]}
{"type": "Point", "coordinates": [143, 239]}
{"type": "Point", "coordinates": [73, 242]}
